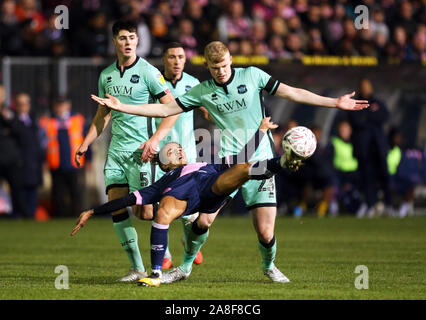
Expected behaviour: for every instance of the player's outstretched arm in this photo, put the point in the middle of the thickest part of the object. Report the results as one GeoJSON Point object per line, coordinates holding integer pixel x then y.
{"type": "Point", "coordinates": [345, 102]}
{"type": "Point", "coordinates": [110, 206]}
{"type": "Point", "coordinates": [157, 110]}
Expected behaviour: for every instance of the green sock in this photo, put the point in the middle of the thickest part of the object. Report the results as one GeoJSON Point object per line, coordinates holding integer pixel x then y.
{"type": "Point", "coordinates": [129, 241]}
{"type": "Point", "coordinates": [193, 244]}
{"type": "Point", "coordinates": [268, 251]}
{"type": "Point", "coordinates": [186, 226]}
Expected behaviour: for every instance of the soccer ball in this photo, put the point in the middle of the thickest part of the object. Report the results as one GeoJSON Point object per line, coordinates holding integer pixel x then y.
{"type": "Point", "coordinates": [301, 141]}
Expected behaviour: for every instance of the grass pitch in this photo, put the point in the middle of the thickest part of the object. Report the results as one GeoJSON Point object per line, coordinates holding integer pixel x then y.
{"type": "Point", "coordinates": [319, 256]}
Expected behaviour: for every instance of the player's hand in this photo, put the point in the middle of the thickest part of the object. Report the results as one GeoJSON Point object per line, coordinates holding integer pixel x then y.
{"type": "Point", "coordinates": [150, 148]}
{"type": "Point", "coordinates": [267, 124]}
{"type": "Point", "coordinates": [109, 101]}
{"type": "Point", "coordinates": [81, 221]}
{"type": "Point", "coordinates": [347, 103]}
{"type": "Point", "coordinates": [79, 154]}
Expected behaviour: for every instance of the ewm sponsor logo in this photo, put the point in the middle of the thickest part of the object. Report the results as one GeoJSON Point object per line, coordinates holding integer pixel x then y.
{"type": "Point", "coordinates": [232, 106]}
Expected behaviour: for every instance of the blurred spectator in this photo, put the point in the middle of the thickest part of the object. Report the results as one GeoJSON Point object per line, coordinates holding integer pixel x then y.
{"type": "Point", "coordinates": [401, 42]}
{"type": "Point", "coordinates": [346, 166]}
{"type": "Point", "coordinates": [419, 45]}
{"type": "Point", "coordinates": [65, 132]}
{"type": "Point", "coordinates": [263, 9]}
{"type": "Point", "coordinates": [186, 38]}
{"type": "Point", "coordinates": [293, 45]}
{"type": "Point", "coordinates": [315, 43]}
{"type": "Point", "coordinates": [54, 40]}
{"type": "Point", "coordinates": [93, 41]}
{"type": "Point", "coordinates": [405, 17]}
{"type": "Point", "coordinates": [234, 23]}
{"type": "Point", "coordinates": [277, 26]}
{"type": "Point", "coordinates": [370, 149]}
{"type": "Point", "coordinates": [10, 40]}
{"type": "Point", "coordinates": [377, 24]}
{"type": "Point", "coordinates": [276, 48]}
{"type": "Point", "coordinates": [258, 34]}
{"type": "Point", "coordinates": [28, 10]}
{"type": "Point", "coordinates": [159, 31]}
{"type": "Point", "coordinates": [164, 8]}
{"type": "Point", "coordinates": [245, 48]}
{"type": "Point", "coordinates": [405, 167]}
{"type": "Point", "coordinates": [334, 27]}
{"type": "Point", "coordinates": [31, 151]}
{"type": "Point", "coordinates": [11, 162]}
{"type": "Point", "coordinates": [284, 9]}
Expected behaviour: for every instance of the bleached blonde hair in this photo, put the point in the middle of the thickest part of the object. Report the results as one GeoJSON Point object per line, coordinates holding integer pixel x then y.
{"type": "Point", "coordinates": [215, 51]}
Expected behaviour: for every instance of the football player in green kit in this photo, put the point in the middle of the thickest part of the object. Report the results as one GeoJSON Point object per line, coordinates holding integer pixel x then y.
{"type": "Point", "coordinates": [135, 81]}
{"type": "Point", "coordinates": [179, 82]}
{"type": "Point", "coordinates": [233, 98]}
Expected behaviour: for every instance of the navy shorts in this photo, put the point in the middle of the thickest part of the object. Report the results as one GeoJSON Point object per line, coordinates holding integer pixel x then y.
{"type": "Point", "coordinates": [196, 190]}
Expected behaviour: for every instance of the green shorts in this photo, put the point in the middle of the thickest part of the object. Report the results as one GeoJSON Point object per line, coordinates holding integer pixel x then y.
{"type": "Point", "coordinates": [258, 193]}
{"type": "Point", "coordinates": [125, 168]}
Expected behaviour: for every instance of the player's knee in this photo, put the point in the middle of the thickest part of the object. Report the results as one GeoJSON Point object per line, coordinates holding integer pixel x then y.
{"type": "Point", "coordinates": [164, 216]}
{"type": "Point", "coordinates": [265, 237]}
{"type": "Point", "coordinates": [204, 222]}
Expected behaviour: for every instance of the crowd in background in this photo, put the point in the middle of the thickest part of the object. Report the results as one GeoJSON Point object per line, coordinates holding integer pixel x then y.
{"type": "Point", "coordinates": [279, 29]}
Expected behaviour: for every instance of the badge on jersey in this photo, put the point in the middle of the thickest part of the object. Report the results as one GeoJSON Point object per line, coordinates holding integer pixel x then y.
{"type": "Point", "coordinates": [134, 78]}
{"type": "Point", "coordinates": [161, 78]}
{"type": "Point", "coordinates": [242, 89]}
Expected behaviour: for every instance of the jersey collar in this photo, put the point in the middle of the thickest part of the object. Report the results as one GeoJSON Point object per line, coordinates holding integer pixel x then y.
{"type": "Point", "coordinates": [126, 67]}
{"type": "Point", "coordinates": [225, 85]}
{"type": "Point", "coordinates": [170, 80]}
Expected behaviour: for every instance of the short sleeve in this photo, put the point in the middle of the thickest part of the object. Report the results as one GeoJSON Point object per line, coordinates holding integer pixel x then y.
{"type": "Point", "coordinates": [156, 83]}
{"type": "Point", "coordinates": [265, 80]}
{"type": "Point", "coordinates": [191, 99]}
{"type": "Point", "coordinates": [101, 88]}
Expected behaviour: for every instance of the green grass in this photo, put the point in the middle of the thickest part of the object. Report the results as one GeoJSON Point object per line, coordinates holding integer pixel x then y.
{"type": "Point", "coordinates": [319, 256]}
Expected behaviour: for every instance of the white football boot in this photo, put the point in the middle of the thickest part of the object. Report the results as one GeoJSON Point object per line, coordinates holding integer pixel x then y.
{"type": "Point", "coordinates": [276, 275]}
{"type": "Point", "coordinates": [133, 275]}
{"type": "Point", "coordinates": [174, 275]}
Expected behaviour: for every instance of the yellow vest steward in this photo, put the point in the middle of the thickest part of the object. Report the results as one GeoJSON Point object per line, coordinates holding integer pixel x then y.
{"type": "Point", "coordinates": [75, 125]}
{"type": "Point", "coordinates": [343, 155]}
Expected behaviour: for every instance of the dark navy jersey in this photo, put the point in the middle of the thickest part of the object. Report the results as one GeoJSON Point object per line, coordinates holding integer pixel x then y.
{"type": "Point", "coordinates": [191, 183]}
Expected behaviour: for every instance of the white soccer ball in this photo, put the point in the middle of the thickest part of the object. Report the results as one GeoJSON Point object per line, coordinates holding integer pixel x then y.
{"type": "Point", "coordinates": [301, 141]}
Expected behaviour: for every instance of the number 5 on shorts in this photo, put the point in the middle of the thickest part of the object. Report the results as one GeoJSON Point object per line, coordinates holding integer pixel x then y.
{"type": "Point", "coordinates": [144, 179]}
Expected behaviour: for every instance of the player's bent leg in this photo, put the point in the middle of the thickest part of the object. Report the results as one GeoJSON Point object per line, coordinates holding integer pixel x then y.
{"type": "Point", "coordinates": [169, 209]}
{"type": "Point", "coordinates": [264, 224]}
{"type": "Point", "coordinates": [232, 179]}
{"type": "Point", "coordinates": [127, 236]}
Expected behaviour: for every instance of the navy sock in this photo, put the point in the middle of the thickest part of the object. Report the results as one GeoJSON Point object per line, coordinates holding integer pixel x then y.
{"type": "Point", "coordinates": [159, 240]}
{"type": "Point", "coordinates": [265, 169]}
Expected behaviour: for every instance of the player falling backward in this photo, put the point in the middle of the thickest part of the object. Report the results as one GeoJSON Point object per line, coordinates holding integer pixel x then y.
{"type": "Point", "coordinates": [189, 188]}
{"type": "Point", "coordinates": [233, 98]}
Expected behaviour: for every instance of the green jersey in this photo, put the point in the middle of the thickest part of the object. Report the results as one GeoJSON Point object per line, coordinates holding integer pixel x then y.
{"type": "Point", "coordinates": [236, 107]}
{"type": "Point", "coordinates": [183, 129]}
{"type": "Point", "coordinates": [139, 83]}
